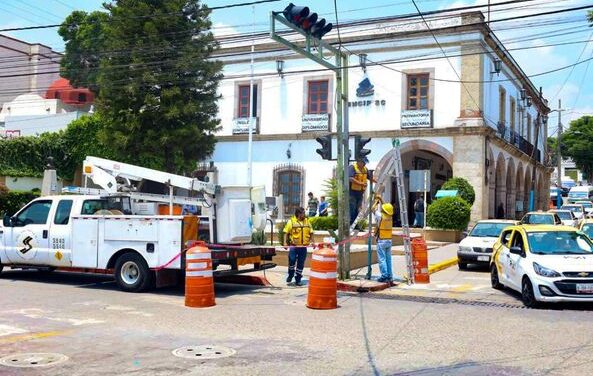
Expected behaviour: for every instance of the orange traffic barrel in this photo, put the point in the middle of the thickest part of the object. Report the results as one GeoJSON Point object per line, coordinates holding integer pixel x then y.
{"type": "Point", "coordinates": [323, 284]}
{"type": "Point", "coordinates": [420, 261]}
{"type": "Point", "coordinates": [199, 282]}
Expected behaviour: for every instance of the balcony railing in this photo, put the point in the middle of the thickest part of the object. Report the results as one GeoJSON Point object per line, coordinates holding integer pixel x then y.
{"type": "Point", "coordinates": [517, 140]}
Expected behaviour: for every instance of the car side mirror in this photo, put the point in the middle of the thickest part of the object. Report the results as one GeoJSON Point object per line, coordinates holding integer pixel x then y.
{"type": "Point", "coordinates": [516, 251]}
{"type": "Point", "coordinates": [6, 221]}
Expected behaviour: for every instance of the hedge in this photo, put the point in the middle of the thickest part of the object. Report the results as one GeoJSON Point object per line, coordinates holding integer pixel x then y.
{"type": "Point", "coordinates": [13, 201]}
{"type": "Point", "coordinates": [464, 188]}
{"type": "Point", "coordinates": [449, 213]}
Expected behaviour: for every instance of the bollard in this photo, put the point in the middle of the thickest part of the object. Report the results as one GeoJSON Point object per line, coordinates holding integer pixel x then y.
{"type": "Point", "coordinates": [420, 259]}
{"type": "Point", "coordinates": [323, 284]}
{"type": "Point", "coordinates": [199, 282]}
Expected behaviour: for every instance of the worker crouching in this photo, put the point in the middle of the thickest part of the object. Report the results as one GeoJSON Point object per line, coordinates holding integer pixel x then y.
{"type": "Point", "coordinates": [297, 235]}
{"type": "Point", "coordinates": [384, 217]}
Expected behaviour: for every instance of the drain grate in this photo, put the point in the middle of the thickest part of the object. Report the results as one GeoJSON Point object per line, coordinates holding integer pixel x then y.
{"type": "Point", "coordinates": [435, 300]}
{"type": "Point", "coordinates": [32, 360]}
{"type": "Point", "coordinates": [204, 352]}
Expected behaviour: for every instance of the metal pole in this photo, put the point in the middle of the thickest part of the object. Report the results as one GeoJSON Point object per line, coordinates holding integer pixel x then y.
{"type": "Point", "coordinates": [535, 148]}
{"type": "Point", "coordinates": [343, 67]}
{"type": "Point", "coordinates": [341, 172]}
{"type": "Point", "coordinates": [559, 156]}
{"type": "Point", "coordinates": [425, 203]}
{"type": "Point", "coordinates": [251, 117]}
{"type": "Point", "coordinates": [370, 228]}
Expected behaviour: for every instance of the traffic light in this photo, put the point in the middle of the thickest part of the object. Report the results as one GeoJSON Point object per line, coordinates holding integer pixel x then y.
{"type": "Point", "coordinates": [326, 147]}
{"type": "Point", "coordinates": [306, 21]}
{"type": "Point", "coordinates": [359, 143]}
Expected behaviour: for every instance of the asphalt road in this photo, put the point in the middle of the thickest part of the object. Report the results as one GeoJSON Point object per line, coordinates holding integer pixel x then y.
{"type": "Point", "coordinates": [103, 331]}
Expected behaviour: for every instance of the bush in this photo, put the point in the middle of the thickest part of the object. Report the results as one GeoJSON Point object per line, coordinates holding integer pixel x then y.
{"type": "Point", "coordinates": [464, 188]}
{"type": "Point", "coordinates": [324, 223]}
{"type": "Point", "coordinates": [13, 201]}
{"type": "Point", "coordinates": [449, 213]}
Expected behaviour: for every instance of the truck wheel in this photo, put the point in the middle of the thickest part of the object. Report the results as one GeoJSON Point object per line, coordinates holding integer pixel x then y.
{"type": "Point", "coordinates": [132, 273]}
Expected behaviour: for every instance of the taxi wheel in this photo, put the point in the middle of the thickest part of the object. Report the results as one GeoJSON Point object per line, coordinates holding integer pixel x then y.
{"type": "Point", "coordinates": [494, 278]}
{"type": "Point", "coordinates": [527, 295]}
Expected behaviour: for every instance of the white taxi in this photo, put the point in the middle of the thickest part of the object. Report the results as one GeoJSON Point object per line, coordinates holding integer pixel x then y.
{"type": "Point", "coordinates": [544, 263]}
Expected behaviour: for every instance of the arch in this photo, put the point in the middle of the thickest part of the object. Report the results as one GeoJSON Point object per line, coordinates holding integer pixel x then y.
{"type": "Point", "coordinates": [413, 145]}
{"type": "Point", "coordinates": [500, 187]}
{"type": "Point", "coordinates": [491, 184]}
{"type": "Point", "coordinates": [511, 191]}
{"type": "Point", "coordinates": [520, 187]}
{"type": "Point", "coordinates": [289, 181]}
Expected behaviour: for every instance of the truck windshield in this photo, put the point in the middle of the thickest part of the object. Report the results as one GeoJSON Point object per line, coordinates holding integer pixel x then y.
{"type": "Point", "coordinates": [90, 207]}
{"type": "Point", "coordinates": [559, 243]}
{"type": "Point", "coordinates": [488, 230]}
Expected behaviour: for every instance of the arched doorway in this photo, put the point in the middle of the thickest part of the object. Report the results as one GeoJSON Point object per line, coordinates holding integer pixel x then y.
{"type": "Point", "coordinates": [417, 155]}
{"type": "Point", "coordinates": [500, 187]}
{"type": "Point", "coordinates": [511, 193]}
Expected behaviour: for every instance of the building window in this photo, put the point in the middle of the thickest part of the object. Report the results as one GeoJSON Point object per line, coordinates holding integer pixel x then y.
{"type": "Point", "coordinates": [502, 105]}
{"type": "Point", "coordinates": [243, 101]}
{"type": "Point", "coordinates": [418, 85]}
{"type": "Point", "coordinates": [289, 182]}
{"type": "Point", "coordinates": [512, 113]}
{"type": "Point", "coordinates": [318, 97]}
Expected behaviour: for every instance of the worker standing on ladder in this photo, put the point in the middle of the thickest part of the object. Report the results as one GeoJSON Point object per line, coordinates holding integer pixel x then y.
{"type": "Point", "coordinates": [297, 235]}
{"type": "Point", "coordinates": [383, 233]}
{"type": "Point", "coordinates": [359, 177]}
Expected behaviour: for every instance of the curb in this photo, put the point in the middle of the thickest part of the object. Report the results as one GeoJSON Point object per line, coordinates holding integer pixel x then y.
{"type": "Point", "coordinates": [252, 280]}
{"type": "Point", "coordinates": [344, 286]}
{"type": "Point", "coordinates": [442, 265]}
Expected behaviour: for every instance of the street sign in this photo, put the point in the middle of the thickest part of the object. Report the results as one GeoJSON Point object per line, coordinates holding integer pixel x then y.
{"type": "Point", "coordinates": [417, 183]}
{"type": "Point", "coordinates": [395, 142]}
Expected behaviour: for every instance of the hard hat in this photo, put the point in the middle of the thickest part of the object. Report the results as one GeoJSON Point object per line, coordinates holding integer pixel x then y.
{"type": "Point", "coordinates": [387, 208]}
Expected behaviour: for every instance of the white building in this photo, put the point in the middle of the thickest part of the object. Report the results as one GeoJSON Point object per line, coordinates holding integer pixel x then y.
{"type": "Point", "coordinates": [480, 128]}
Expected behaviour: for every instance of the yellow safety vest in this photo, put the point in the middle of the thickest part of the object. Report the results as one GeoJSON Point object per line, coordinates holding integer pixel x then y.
{"type": "Point", "coordinates": [360, 175]}
{"type": "Point", "coordinates": [300, 232]}
{"type": "Point", "coordinates": [385, 226]}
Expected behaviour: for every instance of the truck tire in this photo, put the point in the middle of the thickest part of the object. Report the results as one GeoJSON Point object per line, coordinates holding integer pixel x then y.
{"type": "Point", "coordinates": [132, 273]}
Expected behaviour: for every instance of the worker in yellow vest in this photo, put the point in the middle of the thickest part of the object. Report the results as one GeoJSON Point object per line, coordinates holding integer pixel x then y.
{"type": "Point", "coordinates": [297, 235]}
{"type": "Point", "coordinates": [384, 218]}
{"type": "Point", "coordinates": [359, 177]}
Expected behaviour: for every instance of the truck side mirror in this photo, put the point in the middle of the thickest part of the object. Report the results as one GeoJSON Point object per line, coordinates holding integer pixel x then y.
{"type": "Point", "coordinates": [6, 222]}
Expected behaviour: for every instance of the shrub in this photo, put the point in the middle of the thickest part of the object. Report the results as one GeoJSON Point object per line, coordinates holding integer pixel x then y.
{"type": "Point", "coordinates": [464, 188]}
{"type": "Point", "coordinates": [12, 201]}
{"type": "Point", "coordinates": [324, 223]}
{"type": "Point", "coordinates": [449, 213]}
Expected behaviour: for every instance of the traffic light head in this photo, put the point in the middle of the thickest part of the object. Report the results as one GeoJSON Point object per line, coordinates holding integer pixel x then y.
{"type": "Point", "coordinates": [295, 15]}
{"type": "Point", "coordinates": [359, 151]}
{"type": "Point", "coordinates": [326, 147]}
{"type": "Point", "coordinates": [321, 28]}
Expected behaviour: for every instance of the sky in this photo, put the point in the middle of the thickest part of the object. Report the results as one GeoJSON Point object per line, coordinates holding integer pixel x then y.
{"type": "Point", "coordinates": [537, 34]}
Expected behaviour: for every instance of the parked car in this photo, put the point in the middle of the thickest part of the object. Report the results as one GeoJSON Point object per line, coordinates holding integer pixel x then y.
{"type": "Point", "coordinates": [544, 264]}
{"type": "Point", "coordinates": [588, 205]}
{"type": "Point", "coordinates": [587, 227]}
{"type": "Point", "coordinates": [541, 218]}
{"type": "Point", "coordinates": [566, 216]}
{"type": "Point", "coordinates": [476, 248]}
{"type": "Point", "coordinates": [577, 209]}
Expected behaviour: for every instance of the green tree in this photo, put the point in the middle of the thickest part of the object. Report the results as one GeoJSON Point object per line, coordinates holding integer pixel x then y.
{"type": "Point", "coordinates": [149, 64]}
{"type": "Point", "coordinates": [463, 187]}
{"type": "Point", "coordinates": [552, 145]}
{"type": "Point", "coordinates": [577, 144]}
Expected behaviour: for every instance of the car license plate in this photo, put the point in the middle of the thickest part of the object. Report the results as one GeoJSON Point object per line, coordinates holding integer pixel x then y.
{"type": "Point", "coordinates": [584, 288]}
{"type": "Point", "coordinates": [483, 258]}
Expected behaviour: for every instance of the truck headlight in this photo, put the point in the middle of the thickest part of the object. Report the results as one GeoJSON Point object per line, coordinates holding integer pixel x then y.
{"type": "Point", "coordinates": [545, 272]}
{"type": "Point", "coordinates": [465, 249]}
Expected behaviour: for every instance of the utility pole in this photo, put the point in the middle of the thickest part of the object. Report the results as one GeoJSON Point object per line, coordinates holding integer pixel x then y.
{"type": "Point", "coordinates": [538, 125]}
{"type": "Point", "coordinates": [251, 112]}
{"type": "Point", "coordinates": [559, 155]}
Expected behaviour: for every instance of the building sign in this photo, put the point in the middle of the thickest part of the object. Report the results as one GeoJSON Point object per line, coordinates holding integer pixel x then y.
{"type": "Point", "coordinates": [416, 119]}
{"type": "Point", "coordinates": [315, 122]}
{"type": "Point", "coordinates": [241, 125]}
{"type": "Point", "coordinates": [367, 103]}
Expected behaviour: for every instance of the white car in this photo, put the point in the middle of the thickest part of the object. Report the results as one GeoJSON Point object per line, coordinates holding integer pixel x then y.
{"type": "Point", "coordinates": [566, 216]}
{"type": "Point", "coordinates": [577, 209]}
{"type": "Point", "coordinates": [476, 248]}
{"type": "Point", "coordinates": [544, 263]}
{"type": "Point", "coordinates": [588, 205]}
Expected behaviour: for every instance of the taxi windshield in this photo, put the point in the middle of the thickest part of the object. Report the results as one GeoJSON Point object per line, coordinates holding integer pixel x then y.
{"type": "Point", "coordinates": [574, 209]}
{"type": "Point", "coordinates": [559, 243]}
{"type": "Point", "coordinates": [488, 230]}
{"type": "Point", "coordinates": [541, 219]}
{"type": "Point", "coordinates": [565, 215]}
{"type": "Point", "coordinates": [588, 230]}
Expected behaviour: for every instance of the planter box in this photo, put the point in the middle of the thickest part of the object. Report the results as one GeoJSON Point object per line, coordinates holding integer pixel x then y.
{"type": "Point", "coordinates": [439, 235]}
{"type": "Point", "coordinates": [358, 258]}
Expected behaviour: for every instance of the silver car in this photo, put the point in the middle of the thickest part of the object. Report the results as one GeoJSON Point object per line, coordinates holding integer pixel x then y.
{"type": "Point", "coordinates": [566, 216]}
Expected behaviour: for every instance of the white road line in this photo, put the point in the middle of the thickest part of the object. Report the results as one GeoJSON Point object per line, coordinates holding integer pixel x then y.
{"type": "Point", "coordinates": [7, 330]}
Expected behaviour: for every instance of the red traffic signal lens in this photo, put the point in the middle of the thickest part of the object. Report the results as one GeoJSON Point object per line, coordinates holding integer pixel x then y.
{"type": "Point", "coordinates": [295, 15]}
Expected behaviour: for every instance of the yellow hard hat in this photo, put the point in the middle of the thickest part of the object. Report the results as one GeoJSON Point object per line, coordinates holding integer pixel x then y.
{"type": "Point", "coordinates": [387, 208]}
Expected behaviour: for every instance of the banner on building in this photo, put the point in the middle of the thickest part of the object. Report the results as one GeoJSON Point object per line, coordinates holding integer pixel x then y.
{"type": "Point", "coordinates": [315, 122]}
{"type": "Point", "coordinates": [416, 119]}
{"type": "Point", "coordinates": [241, 125]}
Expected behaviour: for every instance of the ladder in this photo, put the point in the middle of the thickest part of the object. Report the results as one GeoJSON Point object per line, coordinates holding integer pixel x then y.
{"type": "Point", "coordinates": [394, 169]}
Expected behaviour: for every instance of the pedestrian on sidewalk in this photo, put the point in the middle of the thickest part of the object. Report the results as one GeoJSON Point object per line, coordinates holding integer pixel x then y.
{"type": "Point", "coordinates": [383, 233]}
{"type": "Point", "coordinates": [323, 207]}
{"type": "Point", "coordinates": [312, 205]}
{"type": "Point", "coordinates": [297, 235]}
{"type": "Point", "coordinates": [419, 212]}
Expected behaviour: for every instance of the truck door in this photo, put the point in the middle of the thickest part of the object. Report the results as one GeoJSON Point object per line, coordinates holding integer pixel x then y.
{"type": "Point", "coordinates": [28, 242]}
{"type": "Point", "coordinates": [60, 253]}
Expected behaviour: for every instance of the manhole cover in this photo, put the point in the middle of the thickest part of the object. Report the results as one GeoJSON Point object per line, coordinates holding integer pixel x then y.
{"type": "Point", "coordinates": [204, 352]}
{"type": "Point", "coordinates": [32, 360]}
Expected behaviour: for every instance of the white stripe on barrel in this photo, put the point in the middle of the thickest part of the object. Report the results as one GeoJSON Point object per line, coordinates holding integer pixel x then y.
{"type": "Point", "coordinates": [328, 275]}
{"type": "Point", "coordinates": [322, 258]}
{"type": "Point", "coordinates": [196, 265]}
{"type": "Point", "coordinates": [201, 273]}
{"type": "Point", "coordinates": [199, 256]}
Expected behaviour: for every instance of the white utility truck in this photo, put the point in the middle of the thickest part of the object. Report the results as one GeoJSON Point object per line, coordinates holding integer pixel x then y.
{"type": "Point", "coordinates": [116, 229]}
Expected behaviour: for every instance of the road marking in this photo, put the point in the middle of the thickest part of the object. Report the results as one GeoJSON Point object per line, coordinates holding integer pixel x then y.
{"type": "Point", "coordinates": [463, 288]}
{"type": "Point", "coordinates": [7, 330]}
{"type": "Point", "coordinates": [36, 313]}
{"type": "Point", "coordinates": [29, 337]}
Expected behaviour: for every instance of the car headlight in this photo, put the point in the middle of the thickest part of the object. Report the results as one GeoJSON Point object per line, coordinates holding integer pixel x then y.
{"type": "Point", "coordinates": [545, 272]}
{"type": "Point", "coordinates": [465, 249]}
